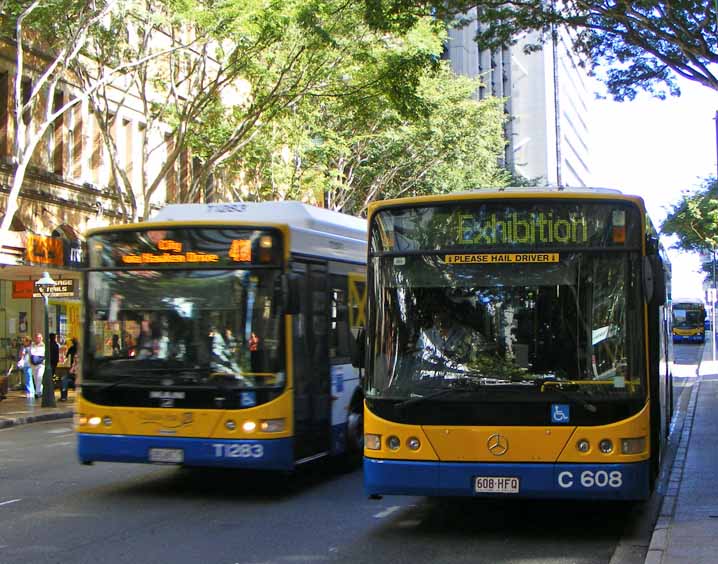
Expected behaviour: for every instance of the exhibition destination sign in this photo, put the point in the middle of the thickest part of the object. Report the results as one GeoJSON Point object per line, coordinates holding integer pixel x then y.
{"type": "Point", "coordinates": [518, 224]}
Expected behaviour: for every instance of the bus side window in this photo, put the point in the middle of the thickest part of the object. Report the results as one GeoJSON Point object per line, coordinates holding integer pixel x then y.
{"type": "Point", "coordinates": [339, 336]}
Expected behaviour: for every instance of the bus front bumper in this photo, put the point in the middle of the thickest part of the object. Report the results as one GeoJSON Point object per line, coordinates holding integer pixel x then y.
{"type": "Point", "coordinates": [554, 481]}
{"type": "Point", "coordinates": [697, 338]}
{"type": "Point", "coordinates": [276, 454]}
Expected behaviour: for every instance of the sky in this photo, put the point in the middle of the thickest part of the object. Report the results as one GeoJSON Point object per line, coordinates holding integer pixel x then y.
{"type": "Point", "coordinates": [656, 149]}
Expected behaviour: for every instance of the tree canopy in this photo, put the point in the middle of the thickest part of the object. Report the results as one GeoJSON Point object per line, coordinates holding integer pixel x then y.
{"type": "Point", "coordinates": [630, 45]}
{"type": "Point", "coordinates": [348, 151]}
{"type": "Point", "coordinates": [694, 219]}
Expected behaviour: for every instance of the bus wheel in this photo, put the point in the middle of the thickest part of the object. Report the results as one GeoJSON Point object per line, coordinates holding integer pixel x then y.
{"type": "Point", "coordinates": [354, 453]}
{"type": "Point", "coordinates": [355, 432]}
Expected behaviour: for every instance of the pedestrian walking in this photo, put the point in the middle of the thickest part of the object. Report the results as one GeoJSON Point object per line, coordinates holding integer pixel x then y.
{"type": "Point", "coordinates": [37, 363]}
{"type": "Point", "coordinates": [23, 364]}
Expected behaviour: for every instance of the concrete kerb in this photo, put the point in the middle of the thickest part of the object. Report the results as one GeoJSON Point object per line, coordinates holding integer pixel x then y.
{"type": "Point", "coordinates": [662, 530]}
{"type": "Point", "coordinates": [23, 420]}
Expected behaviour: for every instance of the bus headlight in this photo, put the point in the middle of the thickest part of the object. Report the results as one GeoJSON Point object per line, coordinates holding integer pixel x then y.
{"type": "Point", "coordinates": [372, 441]}
{"type": "Point", "coordinates": [606, 446]}
{"type": "Point", "coordinates": [583, 445]}
{"type": "Point", "coordinates": [393, 442]}
{"type": "Point", "coordinates": [249, 426]}
{"type": "Point", "coordinates": [272, 425]}
{"type": "Point", "coordinates": [107, 420]}
{"type": "Point", "coordinates": [633, 446]}
{"type": "Point", "coordinates": [230, 424]}
{"type": "Point", "coordinates": [94, 421]}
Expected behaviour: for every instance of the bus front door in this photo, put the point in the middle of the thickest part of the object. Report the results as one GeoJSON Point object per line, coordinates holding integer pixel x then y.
{"type": "Point", "coordinates": [312, 382]}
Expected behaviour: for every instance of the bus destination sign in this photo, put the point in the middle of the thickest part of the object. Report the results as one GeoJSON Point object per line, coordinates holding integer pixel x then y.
{"type": "Point", "coordinates": [528, 226]}
{"type": "Point", "coordinates": [172, 253]}
{"type": "Point", "coordinates": [185, 248]}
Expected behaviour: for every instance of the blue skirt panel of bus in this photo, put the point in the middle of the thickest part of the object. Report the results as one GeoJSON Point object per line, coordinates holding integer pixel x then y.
{"type": "Point", "coordinates": [570, 481]}
{"type": "Point", "coordinates": [690, 338]}
{"type": "Point", "coordinates": [276, 454]}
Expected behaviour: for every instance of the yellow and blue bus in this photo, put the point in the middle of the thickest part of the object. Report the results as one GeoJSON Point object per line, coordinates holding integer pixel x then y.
{"type": "Point", "coordinates": [689, 317]}
{"type": "Point", "coordinates": [518, 345]}
{"type": "Point", "coordinates": [222, 335]}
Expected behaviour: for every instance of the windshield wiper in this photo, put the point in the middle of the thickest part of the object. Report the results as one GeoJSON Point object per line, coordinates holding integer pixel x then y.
{"type": "Point", "coordinates": [123, 380]}
{"type": "Point", "coordinates": [139, 373]}
{"type": "Point", "coordinates": [435, 394]}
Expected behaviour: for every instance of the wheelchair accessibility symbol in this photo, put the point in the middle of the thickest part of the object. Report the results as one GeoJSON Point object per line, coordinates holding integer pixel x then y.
{"type": "Point", "coordinates": [560, 413]}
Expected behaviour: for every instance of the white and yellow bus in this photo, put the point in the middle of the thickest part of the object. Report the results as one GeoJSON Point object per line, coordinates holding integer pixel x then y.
{"type": "Point", "coordinates": [221, 335]}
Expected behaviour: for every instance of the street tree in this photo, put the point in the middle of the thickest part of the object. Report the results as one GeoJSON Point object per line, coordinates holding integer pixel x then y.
{"type": "Point", "coordinates": [372, 134]}
{"type": "Point", "coordinates": [251, 67]}
{"type": "Point", "coordinates": [49, 39]}
{"type": "Point", "coordinates": [371, 152]}
{"type": "Point", "coordinates": [45, 45]}
{"type": "Point", "coordinates": [179, 75]}
{"type": "Point", "coordinates": [327, 64]}
{"type": "Point", "coordinates": [694, 219]}
{"type": "Point", "coordinates": [631, 46]}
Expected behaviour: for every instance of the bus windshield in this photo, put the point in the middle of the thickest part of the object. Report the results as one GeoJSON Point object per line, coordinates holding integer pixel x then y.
{"type": "Point", "coordinates": [198, 326]}
{"type": "Point", "coordinates": [688, 315]}
{"type": "Point", "coordinates": [566, 327]}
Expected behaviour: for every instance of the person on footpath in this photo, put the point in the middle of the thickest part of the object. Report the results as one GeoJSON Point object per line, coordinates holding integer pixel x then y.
{"type": "Point", "coordinates": [72, 372]}
{"type": "Point", "coordinates": [23, 363]}
{"type": "Point", "coordinates": [37, 363]}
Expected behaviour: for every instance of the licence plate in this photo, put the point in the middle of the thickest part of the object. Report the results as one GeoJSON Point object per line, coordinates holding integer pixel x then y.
{"type": "Point", "coordinates": [496, 484]}
{"type": "Point", "coordinates": [167, 455]}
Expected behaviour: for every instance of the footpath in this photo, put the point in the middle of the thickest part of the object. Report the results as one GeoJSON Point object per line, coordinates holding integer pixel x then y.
{"type": "Point", "coordinates": [16, 409]}
{"type": "Point", "coordinates": [686, 531]}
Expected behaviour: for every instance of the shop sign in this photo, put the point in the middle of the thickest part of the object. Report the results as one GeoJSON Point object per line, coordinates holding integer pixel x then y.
{"type": "Point", "coordinates": [26, 289]}
{"type": "Point", "coordinates": [44, 250]}
{"type": "Point", "coordinates": [22, 289]}
{"type": "Point", "coordinates": [61, 289]}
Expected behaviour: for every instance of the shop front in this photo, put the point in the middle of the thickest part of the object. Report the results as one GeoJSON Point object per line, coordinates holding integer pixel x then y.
{"type": "Point", "coordinates": [22, 305]}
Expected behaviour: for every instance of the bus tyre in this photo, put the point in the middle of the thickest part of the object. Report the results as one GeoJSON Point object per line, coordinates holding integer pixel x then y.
{"type": "Point", "coordinates": [352, 458]}
{"type": "Point", "coordinates": [355, 432]}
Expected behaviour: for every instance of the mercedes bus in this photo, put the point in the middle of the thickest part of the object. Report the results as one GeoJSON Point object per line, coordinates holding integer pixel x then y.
{"type": "Point", "coordinates": [517, 346]}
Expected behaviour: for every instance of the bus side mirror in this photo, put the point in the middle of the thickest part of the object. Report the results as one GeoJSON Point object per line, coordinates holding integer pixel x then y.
{"type": "Point", "coordinates": [291, 301]}
{"type": "Point", "coordinates": [359, 349]}
{"type": "Point", "coordinates": [654, 279]}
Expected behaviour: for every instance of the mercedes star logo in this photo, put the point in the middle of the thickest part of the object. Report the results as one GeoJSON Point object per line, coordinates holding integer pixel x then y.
{"type": "Point", "coordinates": [497, 444]}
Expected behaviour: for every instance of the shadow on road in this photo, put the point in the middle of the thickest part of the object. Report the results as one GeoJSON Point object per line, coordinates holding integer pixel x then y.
{"type": "Point", "coordinates": [229, 484]}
